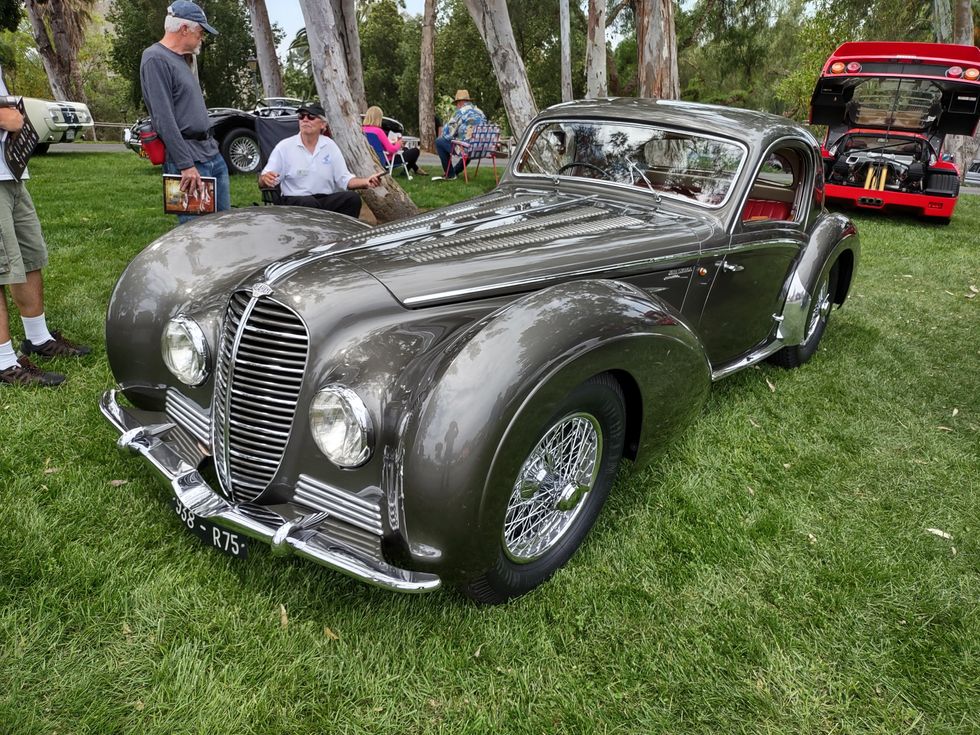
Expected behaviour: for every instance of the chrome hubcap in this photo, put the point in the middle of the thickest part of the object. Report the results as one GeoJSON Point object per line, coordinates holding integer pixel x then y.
{"type": "Point", "coordinates": [244, 154]}
{"type": "Point", "coordinates": [821, 308]}
{"type": "Point", "coordinates": [552, 483]}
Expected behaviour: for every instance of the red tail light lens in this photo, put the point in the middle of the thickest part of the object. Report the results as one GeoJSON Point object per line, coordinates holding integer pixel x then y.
{"type": "Point", "coordinates": [955, 72]}
{"type": "Point", "coordinates": [853, 67]}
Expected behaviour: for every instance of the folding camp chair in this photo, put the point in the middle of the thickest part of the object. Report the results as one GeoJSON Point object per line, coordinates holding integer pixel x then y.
{"type": "Point", "coordinates": [270, 130]}
{"type": "Point", "coordinates": [482, 144]}
{"type": "Point", "coordinates": [382, 154]}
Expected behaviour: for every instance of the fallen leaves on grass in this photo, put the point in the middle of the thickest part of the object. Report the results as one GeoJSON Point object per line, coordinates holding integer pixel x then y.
{"type": "Point", "coordinates": [944, 428]}
{"type": "Point", "coordinates": [118, 483]}
{"type": "Point", "coordinates": [772, 388]}
{"type": "Point", "coordinates": [753, 422]}
{"type": "Point", "coordinates": [330, 634]}
{"type": "Point", "coordinates": [939, 532]}
{"type": "Point", "coordinates": [283, 617]}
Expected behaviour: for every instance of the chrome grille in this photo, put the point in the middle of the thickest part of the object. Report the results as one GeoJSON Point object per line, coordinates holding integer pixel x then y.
{"type": "Point", "coordinates": [189, 415]}
{"type": "Point", "coordinates": [259, 373]}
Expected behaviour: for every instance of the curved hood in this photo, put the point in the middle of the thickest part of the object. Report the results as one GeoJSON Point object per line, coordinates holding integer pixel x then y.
{"type": "Point", "coordinates": [510, 242]}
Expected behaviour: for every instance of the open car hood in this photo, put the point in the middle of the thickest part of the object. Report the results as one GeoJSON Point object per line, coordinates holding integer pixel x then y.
{"type": "Point", "coordinates": [921, 87]}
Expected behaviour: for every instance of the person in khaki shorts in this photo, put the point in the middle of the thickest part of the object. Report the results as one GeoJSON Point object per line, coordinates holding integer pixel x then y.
{"type": "Point", "coordinates": [22, 255]}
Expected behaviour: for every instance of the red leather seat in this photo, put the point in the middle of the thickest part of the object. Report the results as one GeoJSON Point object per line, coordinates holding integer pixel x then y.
{"type": "Point", "coordinates": [765, 209]}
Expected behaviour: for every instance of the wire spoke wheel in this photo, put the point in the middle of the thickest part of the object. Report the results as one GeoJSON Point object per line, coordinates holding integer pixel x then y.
{"type": "Point", "coordinates": [551, 487]}
{"type": "Point", "coordinates": [820, 310]}
{"type": "Point", "coordinates": [244, 153]}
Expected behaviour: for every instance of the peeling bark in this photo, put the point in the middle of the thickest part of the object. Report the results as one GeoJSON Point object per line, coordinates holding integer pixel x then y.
{"type": "Point", "coordinates": [345, 13]}
{"type": "Point", "coordinates": [493, 22]}
{"type": "Point", "coordinates": [656, 41]}
{"type": "Point", "coordinates": [595, 51]}
{"type": "Point", "coordinates": [389, 201]}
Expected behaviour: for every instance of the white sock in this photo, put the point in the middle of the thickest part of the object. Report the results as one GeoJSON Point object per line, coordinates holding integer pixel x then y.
{"type": "Point", "coordinates": [36, 330]}
{"type": "Point", "coordinates": [8, 358]}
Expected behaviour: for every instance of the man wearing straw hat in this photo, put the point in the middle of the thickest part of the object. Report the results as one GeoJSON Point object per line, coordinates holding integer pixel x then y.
{"type": "Point", "coordinates": [459, 127]}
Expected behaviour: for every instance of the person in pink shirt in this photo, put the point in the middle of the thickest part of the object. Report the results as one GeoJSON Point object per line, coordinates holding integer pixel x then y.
{"type": "Point", "coordinates": [372, 124]}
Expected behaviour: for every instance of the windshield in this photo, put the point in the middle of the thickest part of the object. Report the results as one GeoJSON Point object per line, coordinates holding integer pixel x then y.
{"type": "Point", "coordinates": [682, 165]}
{"type": "Point", "coordinates": [902, 103]}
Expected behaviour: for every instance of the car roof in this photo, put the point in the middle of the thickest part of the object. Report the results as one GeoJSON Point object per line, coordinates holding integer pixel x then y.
{"type": "Point", "coordinates": [749, 126]}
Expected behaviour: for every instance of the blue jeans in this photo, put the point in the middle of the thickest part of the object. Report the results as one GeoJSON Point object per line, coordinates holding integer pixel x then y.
{"type": "Point", "coordinates": [217, 168]}
{"type": "Point", "coordinates": [444, 147]}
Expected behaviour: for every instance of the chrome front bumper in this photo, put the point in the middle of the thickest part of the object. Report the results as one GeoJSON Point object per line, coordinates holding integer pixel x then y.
{"type": "Point", "coordinates": [298, 536]}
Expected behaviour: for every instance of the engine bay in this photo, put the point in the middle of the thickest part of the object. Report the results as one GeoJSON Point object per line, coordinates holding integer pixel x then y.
{"type": "Point", "coordinates": [880, 162]}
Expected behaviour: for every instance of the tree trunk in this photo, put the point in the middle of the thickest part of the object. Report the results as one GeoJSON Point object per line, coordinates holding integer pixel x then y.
{"type": "Point", "coordinates": [962, 147]}
{"type": "Point", "coordinates": [656, 41]}
{"type": "Point", "coordinates": [388, 202]}
{"type": "Point", "coordinates": [566, 51]}
{"type": "Point", "coordinates": [942, 24]}
{"type": "Point", "coordinates": [427, 93]}
{"type": "Point", "coordinates": [595, 51]}
{"type": "Point", "coordinates": [345, 13]}
{"type": "Point", "coordinates": [493, 22]}
{"type": "Point", "coordinates": [58, 54]}
{"type": "Point", "coordinates": [265, 49]}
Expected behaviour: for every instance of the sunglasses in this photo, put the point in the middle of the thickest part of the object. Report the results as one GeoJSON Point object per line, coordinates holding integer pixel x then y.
{"type": "Point", "coordinates": [307, 116]}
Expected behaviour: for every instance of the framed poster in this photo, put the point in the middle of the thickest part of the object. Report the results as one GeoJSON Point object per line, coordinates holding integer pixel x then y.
{"type": "Point", "coordinates": [176, 201]}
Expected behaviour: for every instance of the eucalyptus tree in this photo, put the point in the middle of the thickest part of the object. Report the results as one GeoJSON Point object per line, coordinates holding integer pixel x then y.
{"type": "Point", "coordinates": [656, 41]}
{"type": "Point", "coordinates": [265, 49]}
{"type": "Point", "coordinates": [59, 29]}
{"type": "Point", "coordinates": [595, 51]}
{"type": "Point", "coordinates": [493, 23]}
{"type": "Point", "coordinates": [427, 73]}
{"type": "Point", "coordinates": [327, 59]}
{"type": "Point", "coordinates": [564, 24]}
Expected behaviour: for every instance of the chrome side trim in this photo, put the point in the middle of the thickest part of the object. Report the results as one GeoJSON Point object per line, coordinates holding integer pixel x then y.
{"type": "Point", "coordinates": [750, 359]}
{"type": "Point", "coordinates": [357, 510]}
{"type": "Point", "coordinates": [195, 419]}
{"type": "Point", "coordinates": [432, 298]}
{"type": "Point", "coordinates": [301, 537]}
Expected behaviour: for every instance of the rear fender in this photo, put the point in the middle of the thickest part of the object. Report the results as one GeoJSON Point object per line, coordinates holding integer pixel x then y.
{"type": "Point", "coordinates": [492, 391]}
{"type": "Point", "coordinates": [834, 239]}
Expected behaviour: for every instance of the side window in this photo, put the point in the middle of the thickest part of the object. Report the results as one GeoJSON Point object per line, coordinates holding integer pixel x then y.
{"type": "Point", "coordinates": [774, 195]}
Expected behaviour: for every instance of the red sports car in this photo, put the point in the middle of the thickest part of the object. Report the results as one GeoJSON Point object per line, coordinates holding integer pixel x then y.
{"type": "Point", "coordinates": [888, 106]}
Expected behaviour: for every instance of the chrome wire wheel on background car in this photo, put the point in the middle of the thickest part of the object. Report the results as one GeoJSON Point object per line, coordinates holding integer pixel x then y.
{"type": "Point", "coordinates": [551, 487]}
{"type": "Point", "coordinates": [558, 490]}
{"type": "Point", "coordinates": [241, 150]}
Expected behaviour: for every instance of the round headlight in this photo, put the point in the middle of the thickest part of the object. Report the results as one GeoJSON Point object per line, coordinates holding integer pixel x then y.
{"type": "Point", "coordinates": [341, 426]}
{"type": "Point", "coordinates": [185, 350]}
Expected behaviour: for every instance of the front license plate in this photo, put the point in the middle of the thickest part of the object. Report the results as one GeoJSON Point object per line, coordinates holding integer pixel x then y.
{"type": "Point", "coordinates": [69, 135]}
{"type": "Point", "coordinates": [210, 534]}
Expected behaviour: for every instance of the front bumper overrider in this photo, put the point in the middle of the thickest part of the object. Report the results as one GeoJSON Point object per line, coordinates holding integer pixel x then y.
{"type": "Point", "coordinates": [299, 536]}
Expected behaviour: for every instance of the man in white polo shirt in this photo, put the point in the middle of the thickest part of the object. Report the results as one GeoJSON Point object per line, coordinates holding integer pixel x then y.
{"type": "Point", "coordinates": [311, 171]}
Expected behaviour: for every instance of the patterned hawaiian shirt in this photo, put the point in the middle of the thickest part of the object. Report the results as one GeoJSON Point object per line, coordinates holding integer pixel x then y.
{"type": "Point", "coordinates": [461, 124]}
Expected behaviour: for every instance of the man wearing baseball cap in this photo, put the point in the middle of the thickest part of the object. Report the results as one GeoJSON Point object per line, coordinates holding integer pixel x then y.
{"type": "Point", "coordinates": [311, 171]}
{"type": "Point", "coordinates": [173, 97]}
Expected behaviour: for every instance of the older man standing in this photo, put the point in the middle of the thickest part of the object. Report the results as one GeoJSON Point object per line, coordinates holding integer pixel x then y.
{"type": "Point", "coordinates": [174, 100]}
{"type": "Point", "coordinates": [310, 169]}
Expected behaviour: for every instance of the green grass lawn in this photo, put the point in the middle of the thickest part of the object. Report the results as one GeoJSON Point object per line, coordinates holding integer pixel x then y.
{"type": "Point", "coordinates": [772, 572]}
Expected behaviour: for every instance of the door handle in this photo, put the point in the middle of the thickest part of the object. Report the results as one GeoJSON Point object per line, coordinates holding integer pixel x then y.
{"type": "Point", "coordinates": [729, 267]}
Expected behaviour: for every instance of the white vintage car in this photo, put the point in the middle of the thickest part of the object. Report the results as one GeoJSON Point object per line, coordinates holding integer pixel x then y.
{"type": "Point", "coordinates": [57, 122]}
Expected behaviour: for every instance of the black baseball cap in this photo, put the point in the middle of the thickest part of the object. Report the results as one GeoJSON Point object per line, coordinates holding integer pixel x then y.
{"type": "Point", "coordinates": [313, 109]}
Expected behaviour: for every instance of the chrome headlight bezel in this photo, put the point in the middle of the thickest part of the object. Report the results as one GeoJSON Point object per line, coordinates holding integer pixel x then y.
{"type": "Point", "coordinates": [182, 332]}
{"type": "Point", "coordinates": [341, 426]}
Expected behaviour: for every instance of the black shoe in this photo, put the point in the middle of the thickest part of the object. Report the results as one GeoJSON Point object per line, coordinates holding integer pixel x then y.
{"type": "Point", "coordinates": [27, 373]}
{"type": "Point", "coordinates": [57, 346]}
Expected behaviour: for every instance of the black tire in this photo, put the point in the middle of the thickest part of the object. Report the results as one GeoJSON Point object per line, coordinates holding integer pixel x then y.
{"type": "Point", "coordinates": [792, 356]}
{"type": "Point", "coordinates": [40, 149]}
{"type": "Point", "coordinates": [240, 149]}
{"type": "Point", "coordinates": [527, 559]}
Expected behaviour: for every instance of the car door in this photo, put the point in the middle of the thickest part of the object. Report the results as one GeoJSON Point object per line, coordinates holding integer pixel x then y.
{"type": "Point", "coordinates": [748, 273]}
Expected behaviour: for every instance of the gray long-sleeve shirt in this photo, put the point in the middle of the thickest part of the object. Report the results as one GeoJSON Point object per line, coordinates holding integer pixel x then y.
{"type": "Point", "coordinates": [176, 105]}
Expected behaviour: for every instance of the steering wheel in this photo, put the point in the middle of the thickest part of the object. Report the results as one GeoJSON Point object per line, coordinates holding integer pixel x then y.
{"type": "Point", "coordinates": [573, 164]}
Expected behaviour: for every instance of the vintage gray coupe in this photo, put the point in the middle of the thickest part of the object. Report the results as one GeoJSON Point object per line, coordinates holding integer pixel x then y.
{"type": "Point", "coordinates": [445, 400]}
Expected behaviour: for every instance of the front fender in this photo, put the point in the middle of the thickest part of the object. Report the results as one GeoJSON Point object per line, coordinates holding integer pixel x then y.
{"type": "Point", "coordinates": [489, 396]}
{"type": "Point", "coordinates": [834, 238]}
{"type": "Point", "coordinates": [191, 270]}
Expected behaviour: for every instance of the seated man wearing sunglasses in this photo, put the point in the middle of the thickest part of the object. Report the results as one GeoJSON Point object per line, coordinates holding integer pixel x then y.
{"type": "Point", "coordinates": [310, 169]}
